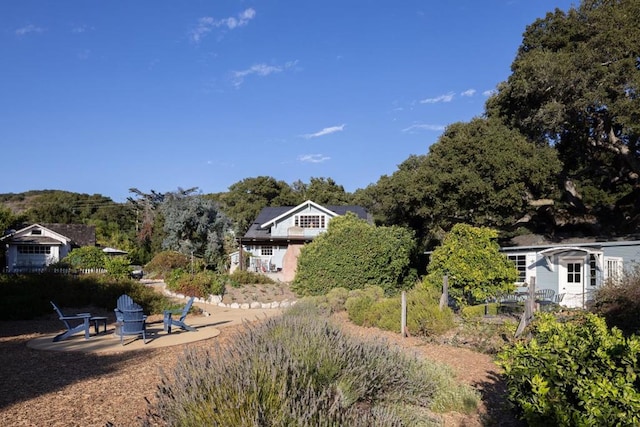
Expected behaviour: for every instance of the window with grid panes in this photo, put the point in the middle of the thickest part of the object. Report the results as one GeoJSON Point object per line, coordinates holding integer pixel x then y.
{"type": "Point", "coordinates": [309, 221]}
{"type": "Point", "coordinates": [520, 262]}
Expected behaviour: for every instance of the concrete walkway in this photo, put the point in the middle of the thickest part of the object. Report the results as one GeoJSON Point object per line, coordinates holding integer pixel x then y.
{"type": "Point", "coordinates": [207, 327]}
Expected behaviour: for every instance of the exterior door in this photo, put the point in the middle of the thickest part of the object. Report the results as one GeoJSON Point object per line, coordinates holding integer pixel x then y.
{"type": "Point", "coordinates": [572, 279]}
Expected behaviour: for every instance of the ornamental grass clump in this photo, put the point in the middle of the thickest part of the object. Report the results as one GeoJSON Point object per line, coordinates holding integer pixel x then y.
{"type": "Point", "coordinates": [301, 370]}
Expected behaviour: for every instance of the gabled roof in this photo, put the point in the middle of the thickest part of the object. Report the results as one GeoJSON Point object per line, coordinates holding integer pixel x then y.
{"type": "Point", "coordinates": [270, 213]}
{"type": "Point", "coordinates": [23, 236]}
{"type": "Point", "coordinates": [76, 234]}
{"type": "Point", "coordinates": [291, 211]}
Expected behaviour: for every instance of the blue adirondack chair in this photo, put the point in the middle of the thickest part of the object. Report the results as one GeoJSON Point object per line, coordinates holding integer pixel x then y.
{"type": "Point", "coordinates": [74, 324]}
{"type": "Point", "coordinates": [170, 321]}
{"type": "Point", "coordinates": [130, 319]}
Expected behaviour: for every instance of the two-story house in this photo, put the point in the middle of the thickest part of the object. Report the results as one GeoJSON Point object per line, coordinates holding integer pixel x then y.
{"type": "Point", "coordinates": [274, 239]}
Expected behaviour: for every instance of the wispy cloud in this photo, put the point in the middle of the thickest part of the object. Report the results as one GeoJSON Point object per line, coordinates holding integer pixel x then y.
{"type": "Point", "coordinates": [28, 30]}
{"type": "Point", "coordinates": [313, 158]}
{"type": "Point", "coordinates": [261, 70]}
{"type": "Point", "coordinates": [420, 127]}
{"type": "Point", "coordinates": [468, 92]}
{"type": "Point", "coordinates": [325, 131]}
{"type": "Point", "coordinates": [81, 29]}
{"type": "Point", "coordinates": [207, 24]}
{"type": "Point", "coordinates": [442, 98]}
{"type": "Point", "coordinates": [489, 92]}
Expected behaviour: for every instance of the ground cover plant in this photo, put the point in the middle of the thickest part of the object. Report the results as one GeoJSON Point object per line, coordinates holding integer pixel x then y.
{"type": "Point", "coordinates": [27, 296]}
{"type": "Point", "coordinates": [574, 372]}
{"type": "Point", "coordinates": [300, 369]}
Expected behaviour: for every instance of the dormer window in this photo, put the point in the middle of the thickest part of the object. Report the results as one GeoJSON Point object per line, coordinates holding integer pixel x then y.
{"type": "Point", "coordinates": [310, 221]}
{"type": "Point", "coordinates": [36, 232]}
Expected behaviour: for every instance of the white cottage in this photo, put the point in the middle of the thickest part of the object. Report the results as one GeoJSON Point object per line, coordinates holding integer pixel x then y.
{"type": "Point", "coordinates": [37, 246]}
{"type": "Point", "coordinates": [274, 239]}
{"type": "Point", "coordinates": [573, 267]}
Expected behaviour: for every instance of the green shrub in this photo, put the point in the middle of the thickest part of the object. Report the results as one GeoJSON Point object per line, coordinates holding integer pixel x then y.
{"type": "Point", "coordinates": [333, 302]}
{"type": "Point", "coordinates": [574, 372]}
{"type": "Point", "coordinates": [27, 296]}
{"type": "Point", "coordinates": [360, 301]}
{"type": "Point", "coordinates": [165, 262]}
{"type": "Point", "coordinates": [480, 310]}
{"type": "Point", "coordinates": [424, 316]}
{"type": "Point", "coordinates": [201, 284]}
{"type": "Point", "coordinates": [353, 254]}
{"type": "Point", "coordinates": [369, 307]}
{"type": "Point", "coordinates": [471, 258]}
{"type": "Point", "coordinates": [117, 267]}
{"type": "Point", "coordinates": [86, 257]}
{"type": "Point", "coordinates": [243, 277]}
{"type": "Point", "coordinates": [302, 370]}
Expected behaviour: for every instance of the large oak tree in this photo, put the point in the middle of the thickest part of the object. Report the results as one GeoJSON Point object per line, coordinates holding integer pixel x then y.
{"type": "Point", "coordinates": [575, 86]}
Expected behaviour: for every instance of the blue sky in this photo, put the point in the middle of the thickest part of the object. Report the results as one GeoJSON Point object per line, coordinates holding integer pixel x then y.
{"type": "Point", "coordinates": [101, 96]}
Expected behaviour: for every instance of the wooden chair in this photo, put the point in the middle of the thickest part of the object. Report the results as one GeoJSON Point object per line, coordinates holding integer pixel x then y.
{"type": "Point", "coordinates": [130, 319]}
{"type": "Point", "coordinates": [74, 324]}
{"type": "Point", "coordinates": [169, 320]}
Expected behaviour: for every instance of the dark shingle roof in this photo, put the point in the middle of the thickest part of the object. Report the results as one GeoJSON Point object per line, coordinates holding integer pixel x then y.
{"type": "Point", "coordinates": [271, 212]}
{"type": "Point", "coordinates": [80, 234]}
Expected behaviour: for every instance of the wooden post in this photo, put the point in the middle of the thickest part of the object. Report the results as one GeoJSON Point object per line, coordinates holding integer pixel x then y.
{"type": "Point", "coordinates": [444, 298]}
{"type": "Point", "coordinates": [240, 256]}
{"type": "Point", "coordinates": [403, 316]}
{"type": "Point", "coordinates": [529, 308]}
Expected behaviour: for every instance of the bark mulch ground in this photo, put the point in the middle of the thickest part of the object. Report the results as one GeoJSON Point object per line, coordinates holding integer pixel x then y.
{"type": "Point", "coordinates": [47, 388]}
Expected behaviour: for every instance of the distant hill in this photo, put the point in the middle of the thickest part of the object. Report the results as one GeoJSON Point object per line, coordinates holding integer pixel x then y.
{"type": "Point", "coordinates": [21, 202]}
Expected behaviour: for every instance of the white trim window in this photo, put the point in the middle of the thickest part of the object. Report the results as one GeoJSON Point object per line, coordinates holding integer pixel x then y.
{"type": "Point", "coordinates": [266, 250]}
{"type": "Point", "coordinates": [613, 269]}
{"type": "Point", "coordinates": [520, 262]}
{"type": "Point", "coordinates": [34, 249]}
{"type": "Point", "coordinates": [310, 221]}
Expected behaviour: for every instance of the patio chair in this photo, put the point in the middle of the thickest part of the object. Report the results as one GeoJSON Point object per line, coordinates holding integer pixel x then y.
{"type": "Point", "coordinates": [130, 318]}
{"type": "Point", "coordinates": [170, 321]}
{"type": "Point", "coordinates": [74, 324]}
{"type": "Point", "coordinates": [545, 295]}
{"type": "Point", "coordinates": [125, 302]}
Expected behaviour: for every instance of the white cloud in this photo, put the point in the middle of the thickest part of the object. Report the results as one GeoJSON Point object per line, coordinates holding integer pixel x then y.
{"type": "Point", "coordinates": [208, 23]}
{"type": "Point", "coordinates": [28, 29]}
{"type": "Point", "coordinates": [313, 158]}
{"type": "Point", "coordinates": [468, 92]}
{"type": "Point", "coordinates": [260, 70]}
{"type": "Point", "coordinates": [419, 127]}
{"type": "Point", "coordinates": [81, 29]}
{"type": "Point", "coordinates": [442, 98]}
{"type": "Point", "coordinates": [489, 92]}
{"type": "Point", "coordinates": [325, 131]}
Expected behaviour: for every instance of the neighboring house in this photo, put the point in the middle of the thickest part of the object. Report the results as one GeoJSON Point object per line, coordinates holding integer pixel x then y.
{"type": "Point", "coordinates": [39, 245]}
{"type": "Point", "coordinates": [275, 238]}
{"type": "Point", "coordinates": [573, 267]}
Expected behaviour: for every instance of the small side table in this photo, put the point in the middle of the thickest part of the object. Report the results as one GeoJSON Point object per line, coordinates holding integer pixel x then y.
{"type": "Point", "coordinates": [97, 320]}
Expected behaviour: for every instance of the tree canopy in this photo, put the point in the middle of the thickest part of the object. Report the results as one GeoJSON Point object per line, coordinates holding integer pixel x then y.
{"type": "Point", "coordinates": [481, 173]}
{"type": "Point", "coordinates": [194, 225]}
{"type": "Point", "coordinates": [575, 86]}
